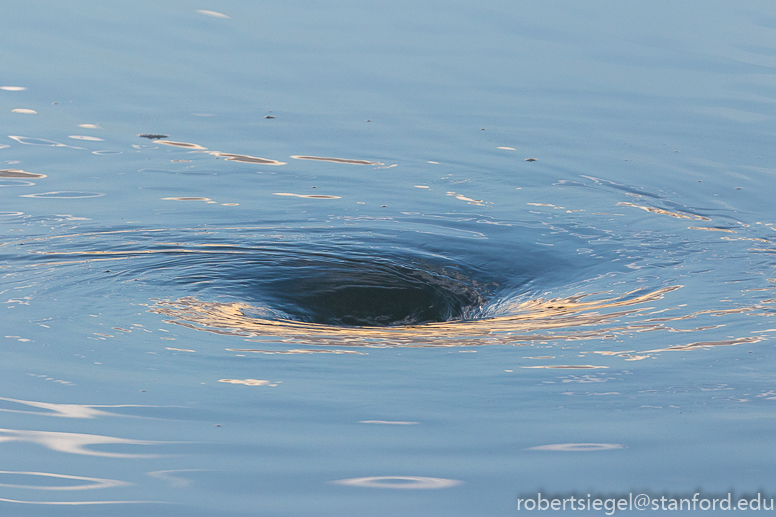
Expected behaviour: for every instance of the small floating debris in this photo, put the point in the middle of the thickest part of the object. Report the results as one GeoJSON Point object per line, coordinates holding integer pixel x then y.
{"type": "Point", "coordinates": [24, 110]}
{"type": "Point", "coordinates": [269, 116]}
{"type": "Point", "coordinates": [530, 159]}
{"type": "Point", "coordinates": [13, 88]}
{"type": "Point", "coordinates": [152, 136]}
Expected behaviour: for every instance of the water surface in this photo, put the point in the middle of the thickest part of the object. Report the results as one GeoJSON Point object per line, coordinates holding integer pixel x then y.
{"type": "Point", "coordinates": [418, 258]}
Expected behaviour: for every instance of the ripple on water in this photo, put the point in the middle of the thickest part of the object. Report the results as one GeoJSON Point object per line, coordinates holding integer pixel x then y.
{"type": "Point", "coordinates": [65, 194]}
{"type": "Point", "coordinates": [16, 183]}
{"type": "Point", "coordinates": [437, 283]}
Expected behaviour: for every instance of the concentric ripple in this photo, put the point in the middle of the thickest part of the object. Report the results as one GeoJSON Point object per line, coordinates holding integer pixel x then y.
{"type": "Point", "coordinates": [323, 285]}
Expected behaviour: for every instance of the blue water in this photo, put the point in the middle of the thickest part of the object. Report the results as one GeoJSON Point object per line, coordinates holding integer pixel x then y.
{"type": "Point", "coordinates": [416, 258]}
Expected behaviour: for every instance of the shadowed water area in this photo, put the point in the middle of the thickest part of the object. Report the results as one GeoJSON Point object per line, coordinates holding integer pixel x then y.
{"type": "Point", "coordinates": [408, 259]}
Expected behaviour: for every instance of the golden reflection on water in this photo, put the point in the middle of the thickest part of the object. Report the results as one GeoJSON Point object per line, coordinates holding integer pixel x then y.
{"type": "Point", "coordinates": [295, 351]}
{"type": "Point", "coordinates": [569, 319]}
{"type": "Point", "coordinates": [665, 212]}
{"type": "Point", "coordinates": [572, 318]}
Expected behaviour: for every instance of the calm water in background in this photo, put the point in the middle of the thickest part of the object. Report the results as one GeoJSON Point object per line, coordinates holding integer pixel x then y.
{"type": "Point", "coordinates": [176, 333]}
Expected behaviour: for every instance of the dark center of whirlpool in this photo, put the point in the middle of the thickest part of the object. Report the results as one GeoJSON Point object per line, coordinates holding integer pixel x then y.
{"type": "Point", "coordinates": [371, 293]}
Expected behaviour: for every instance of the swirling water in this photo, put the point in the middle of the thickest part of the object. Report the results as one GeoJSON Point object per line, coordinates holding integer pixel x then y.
{"type": "Point", "coordinates": [405, 259]}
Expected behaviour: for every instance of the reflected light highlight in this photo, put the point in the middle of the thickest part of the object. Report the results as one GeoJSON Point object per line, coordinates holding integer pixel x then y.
{"type": "Point", "coordinates": [66, 410]}
{"type": "Point", "coordinates": [531, 321]}
{"type": "Point", "coordinates": [75, 443]}
{"type": "Point", "coordinates": [232, 157]}
{"type": "Point", "coordinates": [212, 14]}
{"type": "Point", "coordinates": [249, 382]}
{"type": "Point", "coordinates": [97, 483]}
{"type": "Point", "coordinates": [665, 212]}
{"type": "Point", "coordinates": [18, 173]}
{"type": "Point", "coordinates": [174, 481]}
{"type": "Point", "coordinates": [309, 196]}
{"type": "Point", "coordinates": [578, 447]}
{"type": "Point", "coordinates": [336, 160]}
{"type": "Point", "coordinates": [400, 482]}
